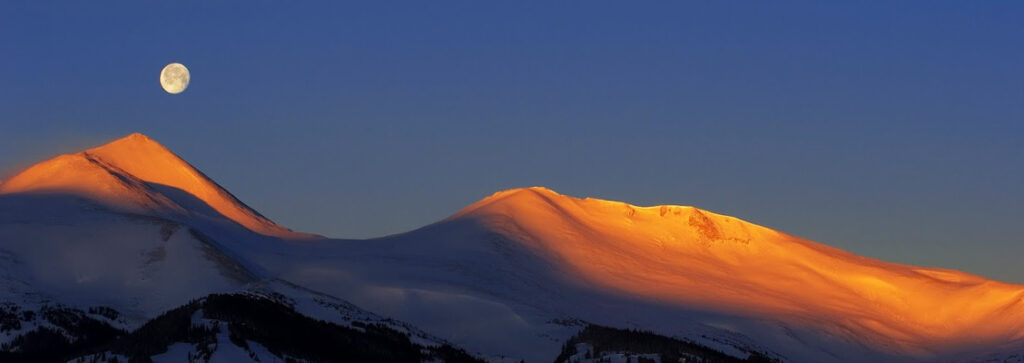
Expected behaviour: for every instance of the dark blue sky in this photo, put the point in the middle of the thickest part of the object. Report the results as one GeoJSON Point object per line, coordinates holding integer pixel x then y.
{"type": "Point", "coordinates": [890, 130]}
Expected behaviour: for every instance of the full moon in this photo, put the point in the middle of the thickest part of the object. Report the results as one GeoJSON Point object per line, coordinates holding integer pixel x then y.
{"type": "Point", "coordinates": [174, 78]}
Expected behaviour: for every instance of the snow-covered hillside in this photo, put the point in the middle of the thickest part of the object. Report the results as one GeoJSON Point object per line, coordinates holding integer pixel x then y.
{"type": "Point", "coordinates": [507, 271]}
{"type": "Point", "coordinates": [131, 228]}
{"type": "Point", "coordinates": [81, 234]}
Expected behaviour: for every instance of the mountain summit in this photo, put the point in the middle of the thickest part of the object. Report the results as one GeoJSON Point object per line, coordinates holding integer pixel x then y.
{"type": "Point", "coordinates": [670, 252]}
{"type": "Point", "coordinates": [136, 173]}
{"type": "Point", "coordinates": [691, 260]}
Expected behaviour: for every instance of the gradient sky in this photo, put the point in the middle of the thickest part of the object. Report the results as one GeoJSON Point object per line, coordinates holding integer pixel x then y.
{"type": "Point", "coordinates": [889, 130]}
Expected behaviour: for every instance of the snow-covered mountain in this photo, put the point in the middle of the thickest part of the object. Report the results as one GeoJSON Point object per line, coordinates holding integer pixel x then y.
{"type": "Point", "coordinates": [131, 227]}
{"type": "Point", "coordinates": [97, 244]}
{"type": "Point", "coordinates": [136, 174]}
{"type": "Point", "coordinates": [530, 259]}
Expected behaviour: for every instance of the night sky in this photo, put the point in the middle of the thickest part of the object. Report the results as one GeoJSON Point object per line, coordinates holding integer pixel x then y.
{"type": "Point", "coordinates": [889, 130]}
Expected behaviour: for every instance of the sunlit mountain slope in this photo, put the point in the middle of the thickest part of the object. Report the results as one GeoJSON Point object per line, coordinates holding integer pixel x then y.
{"type": "Point", "coordinates": [136, 173]}
{"type": "Point", "coordinates": [689, 256]}
{"type": "Point", "coordinates": [542, 256]}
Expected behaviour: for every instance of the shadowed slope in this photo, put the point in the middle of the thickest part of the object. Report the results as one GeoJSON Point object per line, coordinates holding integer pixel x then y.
{"type": "Point", "coordinates": [117, 174]}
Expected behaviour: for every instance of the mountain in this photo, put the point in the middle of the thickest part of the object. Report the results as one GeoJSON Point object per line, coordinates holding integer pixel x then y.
{"type": "Point", "coordinates": [79, 227]}
{"type": "Point", "coordinates": [667, 253]}
{"type": "Point", "coordinates": [97, 246]}
{"type": "Point", "coordinates": [136, 173]}
{"type": "Point", "coordinates": [530, 259]}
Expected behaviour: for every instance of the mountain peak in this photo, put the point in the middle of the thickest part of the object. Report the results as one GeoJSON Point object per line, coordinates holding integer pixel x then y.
{"type": "Point", "coordinates": [100, 172]}
{"type": "Point", "coordinates": [135, 146]}
{"type": "Point", "coordinates": [516, 198]}
{"type": "Point", "coordinates": [135, 138]}
{"type": "Point", "coordinates": [521, 200]}
{"type": "Point", "coordinates": [540, 211]}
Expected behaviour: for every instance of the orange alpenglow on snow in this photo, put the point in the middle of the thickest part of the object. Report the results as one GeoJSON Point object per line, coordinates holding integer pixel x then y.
{"type": "Point", "coordinates": [121, 173]}
{"type": "Point", "coordinates": [690, 257]}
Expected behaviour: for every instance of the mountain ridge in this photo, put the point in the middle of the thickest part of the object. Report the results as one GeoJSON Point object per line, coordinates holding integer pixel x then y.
{"type": "Point", "coordinates": [514, 266]}
{"type": "Point", "coordinates": [666, 253]}
{"type": "Point", "coordinates": [100, 172]}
